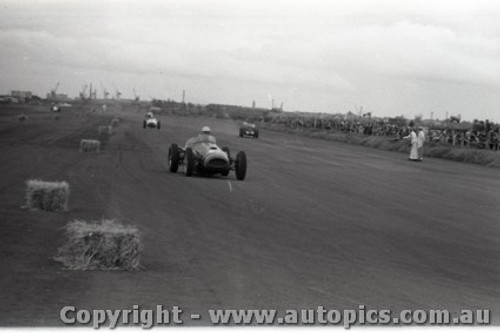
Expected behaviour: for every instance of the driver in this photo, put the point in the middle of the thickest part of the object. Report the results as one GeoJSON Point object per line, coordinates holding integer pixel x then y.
{"type": "Point", "coordinates": [204, 136]}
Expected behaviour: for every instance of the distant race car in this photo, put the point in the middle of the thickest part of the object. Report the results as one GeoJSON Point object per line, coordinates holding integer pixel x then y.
{"type": "Point", "coordinates": [202, 155]}
{"type": "Point", "coordinates": [248, 129]}
{"type": "Point", "coordinates": [55, 108]}
{"type": "Point", "coordinates": [150, 121]}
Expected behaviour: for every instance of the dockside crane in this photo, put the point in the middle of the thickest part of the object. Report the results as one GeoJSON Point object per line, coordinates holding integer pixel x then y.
{"type": "Point", "coordinates": [83, 92]}
{"type": "Point", "coordinates": [105, 93]}
{"type": "Point", "coordinates": [117, 92]}
{"type": "Point", "coordinates": [53, 92]}
{"type": "Point", "coordinates": [92, 93]}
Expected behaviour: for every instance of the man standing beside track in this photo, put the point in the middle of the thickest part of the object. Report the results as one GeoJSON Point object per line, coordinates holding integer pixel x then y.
{"type": "Point", "coordinates": [413, 144]}
{"type": "Point", "coordinates": [420, 143]}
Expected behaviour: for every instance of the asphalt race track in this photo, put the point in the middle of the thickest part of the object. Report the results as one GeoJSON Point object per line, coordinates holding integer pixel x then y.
{"type": "Point", "coordinates": [314, 223]}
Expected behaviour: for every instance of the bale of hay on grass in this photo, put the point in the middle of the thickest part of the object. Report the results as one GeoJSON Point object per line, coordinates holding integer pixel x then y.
{"type": "Point", "coordinates": [22, 118]}
{"type": "Point", "coordinates": [87, 145]}
{"type": "Point", "coordinates": [49, 196]}
{"type": "Point", "coordinates": [115, 122]}
{"type": "Point", "coordinates": [103, 129]}
{"type": "Point", "coordinates": [100, 245]}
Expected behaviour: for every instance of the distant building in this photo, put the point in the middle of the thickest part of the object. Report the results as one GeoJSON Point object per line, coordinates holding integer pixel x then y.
{"type": "Point", "coordinates": [8, 99]}
{"type": "Point", "coordinates": [21, 96]}
{"type": "Point", "coordinates": [58, 97]}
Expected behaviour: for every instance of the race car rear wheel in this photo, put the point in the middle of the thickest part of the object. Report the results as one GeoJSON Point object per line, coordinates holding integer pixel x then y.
{"type": "Point", "coordinates": [144, 124]}
{"type": "Point", "coordinates": [158, 125]}
{"type": "Point", "coordinates": [241, 165]}
{"type": "Point", "coordinates": [173, 158]}
{"type": "Point", "coordinates": [256, 134]}
{"type": "Point", "coordinates": [189, 163]}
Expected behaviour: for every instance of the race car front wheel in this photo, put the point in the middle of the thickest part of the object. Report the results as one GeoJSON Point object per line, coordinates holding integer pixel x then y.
{"type": "Point", "coordinates": [173, 158]}
{"type": "Point", "coordinates": [189, 163]}
{"type": "Point", "coordinates": [241, 165]}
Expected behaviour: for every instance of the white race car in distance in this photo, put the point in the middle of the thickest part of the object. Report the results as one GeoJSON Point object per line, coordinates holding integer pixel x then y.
{"type": "Point", "coordinates": [151, 121]}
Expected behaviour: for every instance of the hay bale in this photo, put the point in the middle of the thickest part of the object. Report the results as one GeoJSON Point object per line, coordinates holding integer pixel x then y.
{"type": "Point", "coordinates": [100, 245]}
{"type": "Point", "coordinates": [49, 196]}
{"type": "Point", "coordinates": [103, 129]}
{"type": "Point", "coordinates": [87, 145]}
{"type": "Point", "coordinates": [115, 122]}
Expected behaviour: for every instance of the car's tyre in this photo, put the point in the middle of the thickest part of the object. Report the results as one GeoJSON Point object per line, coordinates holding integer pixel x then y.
{"type": "Point", "coordinates": [173, 158]}
{"type": "Point", "coordinates": [256, 134]}
{"type": "Point", "coordinates": [241, 133]}
{"type": "Point", "coordinates": [241, 165]}
{"type": "Point", "coordinates": [189, 162]}
{"type": "Point", "coordinates": [158, 125]}
{"type": "Point", "coordinates": [144, 124]}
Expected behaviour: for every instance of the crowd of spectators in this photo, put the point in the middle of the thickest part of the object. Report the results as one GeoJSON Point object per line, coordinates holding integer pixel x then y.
{"type": "Point", "coordinates": [478, 134]}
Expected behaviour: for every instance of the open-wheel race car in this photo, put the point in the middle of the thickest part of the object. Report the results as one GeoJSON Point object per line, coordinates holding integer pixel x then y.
{"type": "Point", "coordinates": [202, 155]}
{"type": "Point", "coordinates": [248, 129]}
{"type": "Point", "coordinates": [150, 121]}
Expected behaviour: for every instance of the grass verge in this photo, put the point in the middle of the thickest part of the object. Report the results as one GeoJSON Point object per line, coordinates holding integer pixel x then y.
{"type": "Point", "coordinates": [487, 158]}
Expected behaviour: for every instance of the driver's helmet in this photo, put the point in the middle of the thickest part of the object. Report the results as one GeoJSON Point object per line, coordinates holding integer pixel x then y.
{"type": "Point", "coordinates": [205, 130]}
{"type": "Point", "coordinates": [149, 115]}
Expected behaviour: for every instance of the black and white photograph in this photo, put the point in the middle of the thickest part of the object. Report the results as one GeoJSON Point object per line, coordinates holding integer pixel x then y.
{"type": "Point", "coordinates": [249, 163]}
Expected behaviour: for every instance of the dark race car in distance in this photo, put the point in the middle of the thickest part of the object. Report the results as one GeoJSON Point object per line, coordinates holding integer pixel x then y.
{"type": "Point", "coordinates": [249, 130]}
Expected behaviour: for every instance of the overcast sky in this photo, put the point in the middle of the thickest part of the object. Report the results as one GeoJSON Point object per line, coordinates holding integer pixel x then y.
{"type": "Point", "coordinates": [391, 57]}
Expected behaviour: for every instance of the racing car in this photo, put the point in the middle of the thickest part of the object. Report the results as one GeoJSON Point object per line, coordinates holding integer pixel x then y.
{"type": "Point", "coordinates": [248, 129]}
{"type": "Point", "coordinates": [203, 156]}
{"type": "Point", "coordinates": [150, 121]}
